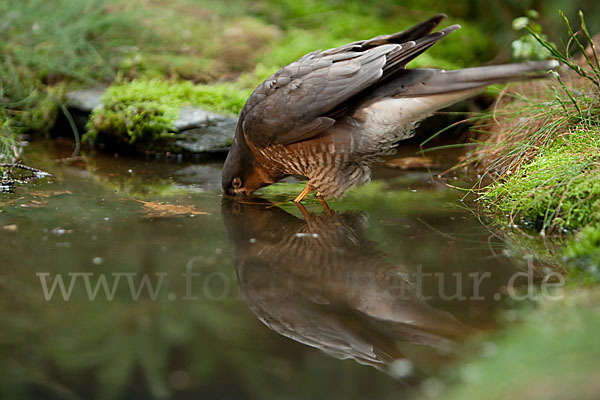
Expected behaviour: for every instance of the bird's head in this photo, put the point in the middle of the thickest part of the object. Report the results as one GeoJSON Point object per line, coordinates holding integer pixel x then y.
{"type": "Point", "coordinates": [242, 174]}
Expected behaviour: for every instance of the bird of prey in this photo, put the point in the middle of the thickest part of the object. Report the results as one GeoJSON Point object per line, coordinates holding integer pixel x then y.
{"type": "Point", "coordinates": [329, 115]}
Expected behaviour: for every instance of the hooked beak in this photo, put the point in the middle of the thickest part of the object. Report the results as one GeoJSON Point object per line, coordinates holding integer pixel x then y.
{"type": "Point", "coordinates": [237, 192]}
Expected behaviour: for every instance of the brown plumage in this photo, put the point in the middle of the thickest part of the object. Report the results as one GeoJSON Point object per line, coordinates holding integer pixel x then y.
{"type": "Point", "coordinates": [330, 114]}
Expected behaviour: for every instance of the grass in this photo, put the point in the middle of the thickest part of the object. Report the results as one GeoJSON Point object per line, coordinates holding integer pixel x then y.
{"type": "Point", "coordinates": [543, 158]}
{"type": "Point", "coordinates": [47, 45]}
{"type": "Point", "coordinates": [47, 48]}
{"type": "Point", "coordinates": [247, 49]}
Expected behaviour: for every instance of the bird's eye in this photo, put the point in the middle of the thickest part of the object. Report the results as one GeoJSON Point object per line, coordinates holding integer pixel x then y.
{"type": "Point", "coordinates": [236, 183]}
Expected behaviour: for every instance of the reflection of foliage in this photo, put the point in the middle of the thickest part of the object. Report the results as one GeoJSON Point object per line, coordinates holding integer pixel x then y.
{"type": "Point", "coordinates": [551, 354]}
{"type": "Point", "coordinates": [583, 253]}
{"type": "Point", "coordinates": [375, 195]}
{"type": "Point", "coordinates": [121, 348]}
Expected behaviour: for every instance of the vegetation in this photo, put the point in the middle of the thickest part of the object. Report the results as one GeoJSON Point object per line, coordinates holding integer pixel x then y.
{"type": "Point", "coordinates": [44, 45]}
{"type": "Point", "coordinates": [47, 48]}
{"type": "Point", "coordinates": [543, 155]}
{"type": "Point", "coordinates": [583, 254]}
{"type": "Point", "coordinates": [558, 189]}
{"type": "Point", "coordinates": [543, 160]}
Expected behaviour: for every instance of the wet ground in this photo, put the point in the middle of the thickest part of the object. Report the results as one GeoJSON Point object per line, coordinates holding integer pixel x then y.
{"type": "Point", "coordinates": [128, 278]}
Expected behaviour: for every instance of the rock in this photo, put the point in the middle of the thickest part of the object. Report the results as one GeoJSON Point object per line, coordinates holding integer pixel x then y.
{"type": "Point", "coordinates": [85, 100]}
{"type": "Point", "coordinates": [198, 130]}
{"type": "Point", "coordinates": [194, 117]}
{"type": "Point", "coordinates": [215, 136]}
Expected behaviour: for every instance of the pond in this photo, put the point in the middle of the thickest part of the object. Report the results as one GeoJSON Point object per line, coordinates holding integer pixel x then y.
{"type": "Point", "coordinates": [129, 278]}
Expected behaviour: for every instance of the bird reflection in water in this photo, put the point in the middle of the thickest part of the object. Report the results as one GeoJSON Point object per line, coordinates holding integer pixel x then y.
{"type": "Point", "coordinates": [318, 280]}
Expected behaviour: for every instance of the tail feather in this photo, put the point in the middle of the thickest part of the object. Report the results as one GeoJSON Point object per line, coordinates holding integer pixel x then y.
{"type": "Point", "coordinates": [424, 82]}
{"type": "Point", "coordinates": [469, 78]}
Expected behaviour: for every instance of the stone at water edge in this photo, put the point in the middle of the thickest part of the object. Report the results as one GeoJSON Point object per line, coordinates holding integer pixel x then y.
{"type": "Point", "coordinates": [197, 130]}
{"type": "Point", "coordinates": [202, 131]}
{"type": "Point", "coordinates": [86, 100]}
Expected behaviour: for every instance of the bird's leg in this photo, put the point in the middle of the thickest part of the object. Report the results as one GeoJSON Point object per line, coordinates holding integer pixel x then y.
{"type": "Point", "coordinates": [309, 218]}
{"type": "Point", "coordinates": [324, 204]}
{"type": "Point", "coordinates": [304, 211]}
{"type": "Point", "coordinates": [302, 194]}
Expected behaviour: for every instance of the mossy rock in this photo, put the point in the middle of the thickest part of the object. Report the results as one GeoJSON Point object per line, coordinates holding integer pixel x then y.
{"type": "Point", "coordinates": [150, 115]}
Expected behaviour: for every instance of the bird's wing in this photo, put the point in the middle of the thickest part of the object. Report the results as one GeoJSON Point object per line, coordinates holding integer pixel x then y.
{"type": "Point", "coordinates": [300, 100]}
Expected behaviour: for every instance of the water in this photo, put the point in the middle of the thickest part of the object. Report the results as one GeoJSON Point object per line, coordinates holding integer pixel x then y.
{"type": "Point", "coordinates": [212, 298]}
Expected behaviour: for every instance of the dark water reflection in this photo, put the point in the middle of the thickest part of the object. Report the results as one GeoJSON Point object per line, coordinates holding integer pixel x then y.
{"type": "Point", "coordinates": [319, 280]}
{"type": "Point", "coordinates": [386, 280]}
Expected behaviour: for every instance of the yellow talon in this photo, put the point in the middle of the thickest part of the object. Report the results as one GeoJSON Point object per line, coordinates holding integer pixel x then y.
{"type": "Point", "coordinates": [302, 194]}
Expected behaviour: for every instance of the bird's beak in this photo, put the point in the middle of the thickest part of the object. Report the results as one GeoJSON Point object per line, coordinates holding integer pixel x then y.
{"type": "Point", "coordinates": [237, 192]}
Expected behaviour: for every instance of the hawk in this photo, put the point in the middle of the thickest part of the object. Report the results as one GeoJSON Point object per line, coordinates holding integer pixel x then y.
{"type": "Point", "coordinates": [329, 115]}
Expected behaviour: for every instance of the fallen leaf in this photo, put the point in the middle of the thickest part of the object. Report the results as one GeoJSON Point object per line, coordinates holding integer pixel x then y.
{"type": "Point", "coordinates": [35, 204]}
{"type": "Point", "coordinates": [164, 210]}
{"type": "Point", "coordinates": [411, 163]}
{"type": "Point", "coordinates": [48, 194]}
{"type": "Point", "coordinates": [11, 201]}
{"type": "Point", "coordinates": [10, 228]}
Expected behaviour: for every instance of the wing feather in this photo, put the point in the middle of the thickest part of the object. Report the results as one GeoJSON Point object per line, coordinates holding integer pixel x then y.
{"type": "Point", "coordinates": [299, 101]}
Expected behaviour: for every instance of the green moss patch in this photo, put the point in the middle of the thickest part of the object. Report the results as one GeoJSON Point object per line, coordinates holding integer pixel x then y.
{"type": "Point", "coordinates": [558, 188]}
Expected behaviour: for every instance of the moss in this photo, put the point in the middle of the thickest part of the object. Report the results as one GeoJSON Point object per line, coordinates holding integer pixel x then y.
{"type": "Point", "coordinates": [544, 158]}
{"type": "Point", "coordinates": [141, 113]}
{"type": "Point", "coordinates": [558, 188]}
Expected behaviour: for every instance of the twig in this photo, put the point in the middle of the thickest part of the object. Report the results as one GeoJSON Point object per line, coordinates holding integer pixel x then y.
{"type": "Point", "coordinates": [25, 167]}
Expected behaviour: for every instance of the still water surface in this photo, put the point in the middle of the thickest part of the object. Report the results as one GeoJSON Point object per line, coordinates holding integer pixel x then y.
{"type": "Point", "coordinates": [170, 290]}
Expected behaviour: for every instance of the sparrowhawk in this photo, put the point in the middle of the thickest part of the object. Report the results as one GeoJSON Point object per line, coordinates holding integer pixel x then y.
{"type": "Point", "coordinates": [329, 115]}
